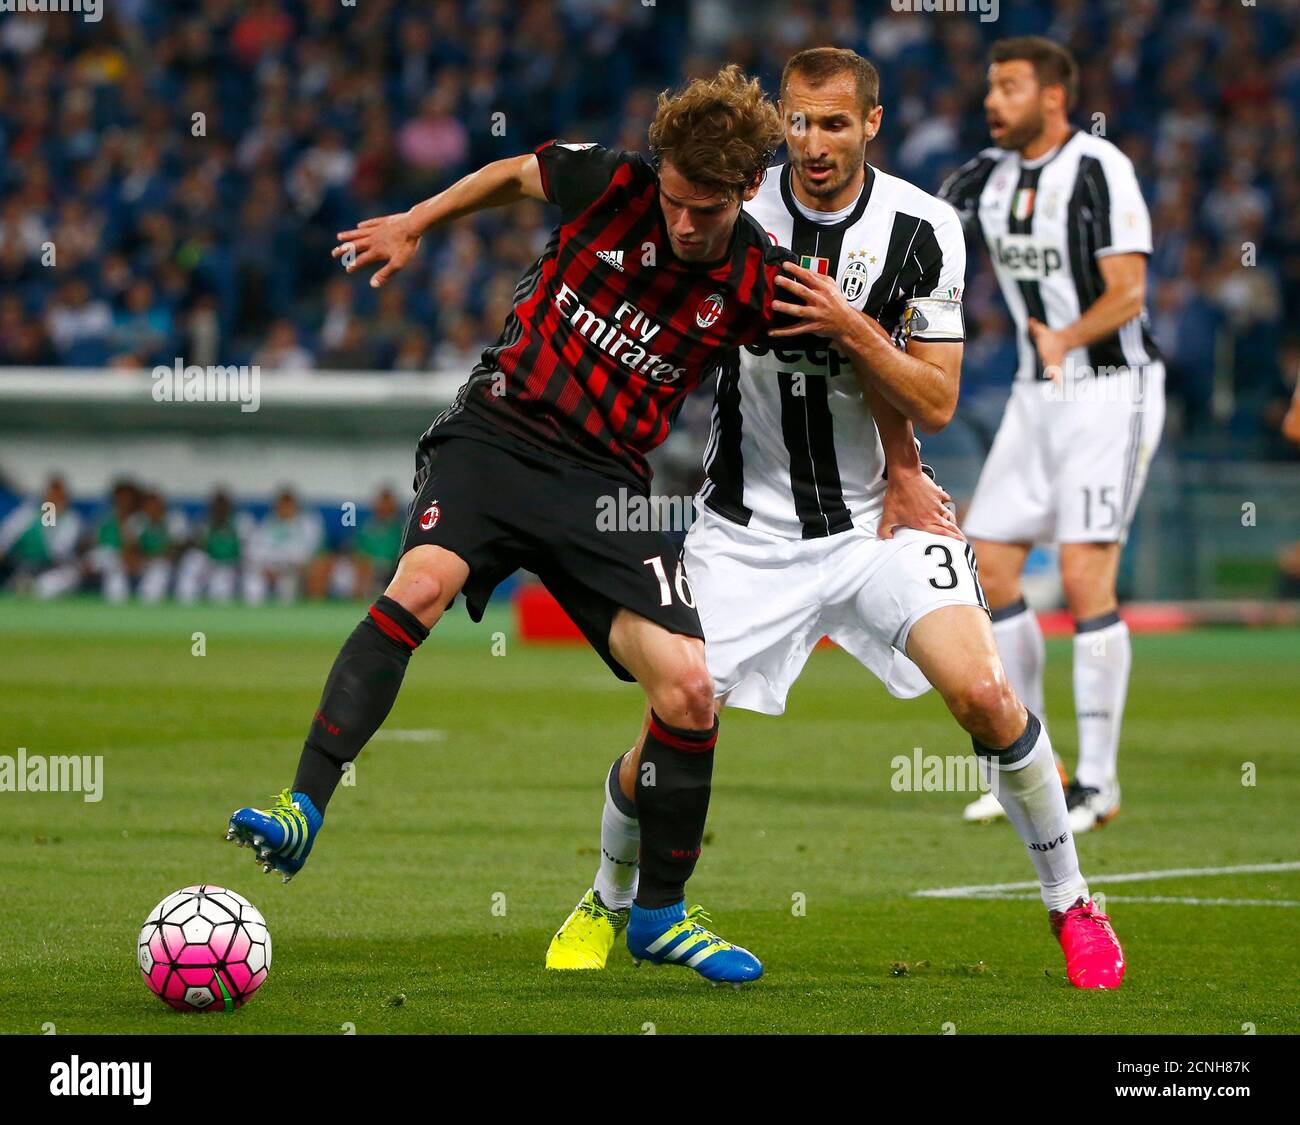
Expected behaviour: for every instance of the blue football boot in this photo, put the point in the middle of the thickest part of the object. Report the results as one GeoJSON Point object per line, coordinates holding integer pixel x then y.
{"type": "Point", "coordinates": [281, 838]}
{"type": "Point", "coordinates": [673, 935]}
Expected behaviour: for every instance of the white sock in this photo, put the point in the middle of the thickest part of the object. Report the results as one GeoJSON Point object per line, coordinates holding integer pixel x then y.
{"type": "Point", "coordinates": [1020, 644]}
{"type": "Point", "coordinates": [1025, 780]}
{"type": "Point", "coordinates": [1102, 658]}
{"type": "Point", "coordinates": [620, 845]}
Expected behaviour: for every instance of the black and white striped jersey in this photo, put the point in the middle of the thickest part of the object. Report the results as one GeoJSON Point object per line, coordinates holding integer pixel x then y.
{"type": "Point", "coordinates": [793, 448]}
{"type": "Point", "coordinates": [1046, 222]}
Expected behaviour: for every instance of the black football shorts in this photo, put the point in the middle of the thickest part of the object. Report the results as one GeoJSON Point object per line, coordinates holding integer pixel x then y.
{"type": "Point", "coordinates": [506, 505]}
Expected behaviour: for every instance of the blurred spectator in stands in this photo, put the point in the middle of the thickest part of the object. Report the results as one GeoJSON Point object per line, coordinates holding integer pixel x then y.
{"type": "Point", "coordinates": [327, 165]}
{"type": "Point", "coordinates": [990, 359]}
{"type": "Point", "coordinates": [339, 313]}
{"type": "Point", "coordinates": [316, 117]}
{"type": "Point", "coordinates": [109, 559]}
{"type": "Point", "coordinates": [1235, 204]}
{"type": "Point", "coordinates": [461, 347]}
{"type": "Point", "coordinates": [435, 141]}
{"type": "Point", "coordinates": [209, 567]}
{"type": "Point", "coordinates": [143, 326]}
{"type": "Point", "coordinates": [415, 352]}
{"type": "Point", "coordinates": [1186, 326]}
{"type": "Point", "coordinates": [203, 332]}
{"type": "Point", "coordinates": [391, 324]}
{"type": "Point", "coordinates": [354, 352]}
{"type": "Point", "coordinates": [78, 234]}
{"type": "Point", "coordinates": [282, 352]}
{"type": "Point", "coordinates": [377, 544]}
{"type": "Point", "coordinates": [155, 538]}
{"type": "Point", "coordinates": [38, 544]}
{"type": "Point", "coordinates": [80, 325]}
{"type": "Point", "coordinates": [365, 564]}
{"type": "Point", "coordinates": [23, 339]}
{"type": "Point", "coordinates": [279, 550]}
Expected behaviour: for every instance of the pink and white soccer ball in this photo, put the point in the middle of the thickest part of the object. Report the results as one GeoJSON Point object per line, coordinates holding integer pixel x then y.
{"type": "Point", "coordinates": [204, 949]}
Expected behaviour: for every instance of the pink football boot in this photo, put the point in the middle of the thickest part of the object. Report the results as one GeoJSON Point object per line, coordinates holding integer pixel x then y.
{"type": "Point", "coordinates": [1093, 957]}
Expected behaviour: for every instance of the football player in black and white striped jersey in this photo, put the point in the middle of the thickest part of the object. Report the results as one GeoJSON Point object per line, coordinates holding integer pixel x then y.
{"type": "Point", "coordinates": [1068, 232]}
{"type": "Point", "coordinates": [801, 532]}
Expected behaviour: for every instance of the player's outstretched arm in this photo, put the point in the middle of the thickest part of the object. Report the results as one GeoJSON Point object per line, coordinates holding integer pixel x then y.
{"type": "Point", "coordinates": [394, 239]}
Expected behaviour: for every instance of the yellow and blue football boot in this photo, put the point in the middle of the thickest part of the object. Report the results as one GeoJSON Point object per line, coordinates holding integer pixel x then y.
{"type": "Point", "coordinates": [673, 935]}
{"type": "Point", "coordinates": [281, 838]}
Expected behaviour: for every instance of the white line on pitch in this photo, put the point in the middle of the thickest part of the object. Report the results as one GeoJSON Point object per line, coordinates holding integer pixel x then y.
{"type": "Point", "coordinates": [1126, 877]}
{"type": "Point", "coordinates": [990, 896]}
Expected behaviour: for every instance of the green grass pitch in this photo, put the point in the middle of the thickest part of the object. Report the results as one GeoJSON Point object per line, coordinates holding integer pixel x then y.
{"type": "Point", "coordinates": [472, 830]}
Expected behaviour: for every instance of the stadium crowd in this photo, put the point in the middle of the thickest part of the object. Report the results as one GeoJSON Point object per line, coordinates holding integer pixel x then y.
{"type": "Point", "coordinates": [174, 175]}
{"type": "Point", "coordinates": [190, 161]}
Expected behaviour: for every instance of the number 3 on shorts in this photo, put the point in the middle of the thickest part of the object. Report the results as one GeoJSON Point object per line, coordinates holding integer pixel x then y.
{"type": "Point", "coordinates": [665, 591]}
{"type": "Point", "coordinates": [946, 565]}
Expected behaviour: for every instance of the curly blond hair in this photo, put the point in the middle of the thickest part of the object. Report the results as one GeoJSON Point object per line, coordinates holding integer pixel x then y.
{"type": "Point", "coordinates": [719, 132]}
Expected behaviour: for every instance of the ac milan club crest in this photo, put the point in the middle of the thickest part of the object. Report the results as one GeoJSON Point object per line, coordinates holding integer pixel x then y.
{"type": "Point", "coordinates": [429, 520]}
{"type": "Point", "coordinates": [709, 311]}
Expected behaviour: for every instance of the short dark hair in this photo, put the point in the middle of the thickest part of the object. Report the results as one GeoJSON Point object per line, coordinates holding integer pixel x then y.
{"type": "Point", "coordinates": [817, 64]}
{"type": "Point", "coordinates": [1053, 64]}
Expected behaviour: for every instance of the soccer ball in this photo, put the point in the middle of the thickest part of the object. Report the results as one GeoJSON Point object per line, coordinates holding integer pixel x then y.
{"type": "Point", "coordinates": [204, 949]}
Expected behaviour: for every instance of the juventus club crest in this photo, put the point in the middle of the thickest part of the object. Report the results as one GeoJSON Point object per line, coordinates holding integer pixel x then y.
{"type": "Point", "coordinates": [854, 279]}
{"type": "Point", "coordinates": [709, 311]}
{"type": "Point", "coordinates": [429, 520]}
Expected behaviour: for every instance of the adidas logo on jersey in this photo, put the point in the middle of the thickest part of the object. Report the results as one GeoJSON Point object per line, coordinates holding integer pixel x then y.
{"type": "Point", "coordinates": [612, 257]}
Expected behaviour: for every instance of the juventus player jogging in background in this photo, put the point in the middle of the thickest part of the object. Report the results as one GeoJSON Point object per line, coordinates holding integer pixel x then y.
{"type": "Point", "coordinates": [799, 529]}
{"type": "Point", "coordinates": [1069, 235]}
{"type": "Point", "coordinates": [652, 275]}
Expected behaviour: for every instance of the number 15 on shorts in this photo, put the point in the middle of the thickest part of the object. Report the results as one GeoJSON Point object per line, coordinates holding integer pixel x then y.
{"type": "Point", "coordinates": [679, 582]}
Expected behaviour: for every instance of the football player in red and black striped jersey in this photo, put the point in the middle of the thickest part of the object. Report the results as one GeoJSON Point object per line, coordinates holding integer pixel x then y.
{"type": "Point", "coordinates": [652, 277]}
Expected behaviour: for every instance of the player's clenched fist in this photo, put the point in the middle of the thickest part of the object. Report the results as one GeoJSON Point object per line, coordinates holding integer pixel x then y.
{"type": "Point", "coordinates": [391, 239]}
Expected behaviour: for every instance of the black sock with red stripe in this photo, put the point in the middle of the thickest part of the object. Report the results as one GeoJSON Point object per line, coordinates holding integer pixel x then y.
{"type": "Point", "coordinates": [359, 693]}
{"type": "Point", "coordinates": [672, 802]}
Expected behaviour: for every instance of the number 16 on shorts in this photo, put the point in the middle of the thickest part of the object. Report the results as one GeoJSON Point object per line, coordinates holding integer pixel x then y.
{"type": "Point", "coordinates": [679, 583]}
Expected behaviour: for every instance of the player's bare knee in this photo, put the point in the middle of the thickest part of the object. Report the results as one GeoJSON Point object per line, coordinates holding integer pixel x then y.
{"type": "Point", "coordinates": [985, 704]}
{"type": "Point", "coordinates": [418, 586]}
{"type": "Point", "coordinates": [686, 699]}
{"type": "Point", "coordinates": [1086, 596]}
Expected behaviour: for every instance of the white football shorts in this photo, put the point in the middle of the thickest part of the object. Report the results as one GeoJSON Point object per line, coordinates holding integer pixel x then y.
{"type": "Point", "coordinates": [1069, 462]}
{"type": "Point", "coordinates": [765, 601]}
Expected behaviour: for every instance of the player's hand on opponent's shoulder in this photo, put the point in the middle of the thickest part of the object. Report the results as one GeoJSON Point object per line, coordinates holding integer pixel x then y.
{"type": "Point", "coordinates": [913, 499]}
{"type": "Point", "coordinates": [823, 310]}
{"type": "Point", "coordinates": [391, 239]}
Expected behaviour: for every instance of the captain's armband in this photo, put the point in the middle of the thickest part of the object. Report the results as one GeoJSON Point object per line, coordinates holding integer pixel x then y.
{"type": "Point", "coordinates": [933, 319]}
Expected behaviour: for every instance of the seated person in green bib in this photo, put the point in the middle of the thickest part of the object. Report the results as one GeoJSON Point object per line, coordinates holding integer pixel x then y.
{"type": "Point", "coordinates": [38, 544]}
{"type": "Point", "coordinates": [209, 570]}
{"type": "Point", "coordinates": [155, 538]}
{"type": "Point", "coordinates": [363, 566]}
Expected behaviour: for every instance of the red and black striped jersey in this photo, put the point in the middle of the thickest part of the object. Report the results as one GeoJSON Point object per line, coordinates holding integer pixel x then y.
{"type": "Point", "coordinates": [610, 330]}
